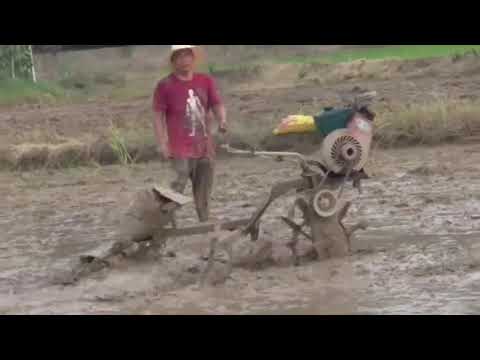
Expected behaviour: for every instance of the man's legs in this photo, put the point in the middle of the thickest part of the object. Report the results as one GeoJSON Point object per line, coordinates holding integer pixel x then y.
{"type": "Point", "coordinates": [202, 181]}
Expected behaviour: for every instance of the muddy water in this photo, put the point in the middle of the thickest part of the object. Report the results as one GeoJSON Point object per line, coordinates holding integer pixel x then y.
{"type": "Point", "coordinates": [420, 255]}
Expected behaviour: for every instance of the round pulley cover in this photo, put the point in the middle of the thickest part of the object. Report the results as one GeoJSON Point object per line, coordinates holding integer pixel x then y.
{"type": "Point", "coordinates": [340, 147]}
{"type": "Point", "coordinates": [325, 203]}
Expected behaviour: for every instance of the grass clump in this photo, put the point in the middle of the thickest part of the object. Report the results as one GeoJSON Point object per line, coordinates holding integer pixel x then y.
{"type": "Point", "coordinates": [27, 156]}
{"type": "Point", "coordinates": [122, 146]}
{"type": "Point", "coordinates": [430, 124]}
{"type": "Point", "coordinates": [119, 147]}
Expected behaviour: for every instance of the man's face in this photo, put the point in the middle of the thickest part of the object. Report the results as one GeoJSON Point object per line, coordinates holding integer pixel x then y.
{"type": "Point", "coordinates": [183, 60]}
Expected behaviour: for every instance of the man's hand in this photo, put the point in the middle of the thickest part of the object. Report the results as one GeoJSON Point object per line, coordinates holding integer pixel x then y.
{"type": "Point", "coordinates": [223, 127]}
{"type": "Point", "coordinates": [164, 150]}
{"type": "Point", "coordinates": [221, 114]}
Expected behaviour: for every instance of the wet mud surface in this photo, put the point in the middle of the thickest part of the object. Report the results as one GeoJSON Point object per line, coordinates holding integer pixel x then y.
{"type": "Point", "coordinates": [420, 255]}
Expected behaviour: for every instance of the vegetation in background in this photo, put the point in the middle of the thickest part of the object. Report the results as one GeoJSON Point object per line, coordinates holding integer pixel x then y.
{"type": "Point", "coordinates": [13, 91]}
{"type": "Point", "coordinates": [76, 81]}
{"type": "Point", "coordinates": [16, 61]}
{"type": "Point", "coordinates": [429, 124]}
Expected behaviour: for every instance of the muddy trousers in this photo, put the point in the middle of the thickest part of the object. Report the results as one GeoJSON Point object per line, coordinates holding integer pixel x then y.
{"type": "Point", "coordinates": [200, 172]}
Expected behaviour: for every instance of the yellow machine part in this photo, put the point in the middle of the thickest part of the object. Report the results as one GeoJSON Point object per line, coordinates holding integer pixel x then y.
{"type": "Point", "coordinates": [296, 124]}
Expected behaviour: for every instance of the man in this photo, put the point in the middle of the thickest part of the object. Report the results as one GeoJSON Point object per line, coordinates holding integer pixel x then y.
{"type": "Point", "coordinates": [182, 103]}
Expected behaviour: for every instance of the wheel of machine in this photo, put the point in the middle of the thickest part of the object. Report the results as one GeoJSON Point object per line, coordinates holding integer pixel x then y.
{"type": "Point", "coordinates": [325, 203]}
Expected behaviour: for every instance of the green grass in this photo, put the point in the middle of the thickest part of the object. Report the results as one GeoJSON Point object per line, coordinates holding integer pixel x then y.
{"type": "Point", "coordinates": [119, 146]}
{"type": "Point", "coordinates": [403, 52]}
{"type": "Point", "coordinates": [13, 91]}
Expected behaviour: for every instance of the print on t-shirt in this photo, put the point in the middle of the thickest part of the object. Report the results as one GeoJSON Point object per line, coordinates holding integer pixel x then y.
{"type": "Point", "coordinates": [195, 114]}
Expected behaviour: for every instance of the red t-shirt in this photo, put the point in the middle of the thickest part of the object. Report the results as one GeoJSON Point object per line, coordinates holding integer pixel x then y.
{"type": "Point", "coordinates": [187, 105]}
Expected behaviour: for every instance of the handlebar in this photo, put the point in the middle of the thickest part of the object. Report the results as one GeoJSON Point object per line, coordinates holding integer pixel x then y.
{"type": "Point", "coordinates": [231, 150]}
{"type": "Point", "coordinates": [304, 162]}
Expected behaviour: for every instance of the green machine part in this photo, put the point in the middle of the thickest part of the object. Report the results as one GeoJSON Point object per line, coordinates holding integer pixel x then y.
{"type": "Point", "coordinates": [333, 119]}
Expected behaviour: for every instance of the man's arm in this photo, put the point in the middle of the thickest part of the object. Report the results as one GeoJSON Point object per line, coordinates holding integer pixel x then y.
{"type": "Point", "coordinates": [220, 113]}
{"type": "Point", "coordinates": [217, 106]}
{"type": "Point", "coordinates": [160, 119]}
{"type": "Point", "coordinates": [161, 133]}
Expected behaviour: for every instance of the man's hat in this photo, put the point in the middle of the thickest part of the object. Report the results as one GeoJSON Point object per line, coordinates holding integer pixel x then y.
{"type": "Point", "coordinates": [182, 47]}
{"type": "Point", "coordinates": [197, 52]}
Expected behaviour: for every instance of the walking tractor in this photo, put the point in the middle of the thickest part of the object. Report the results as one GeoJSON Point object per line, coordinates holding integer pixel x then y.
{"type": "Point", "coordinates": [343, 154]}
{"type": "Point", "coordinates": [347, 136]}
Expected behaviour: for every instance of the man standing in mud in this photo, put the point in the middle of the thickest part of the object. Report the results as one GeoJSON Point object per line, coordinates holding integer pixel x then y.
{"type": "Point", "coordinates": [182, 103]}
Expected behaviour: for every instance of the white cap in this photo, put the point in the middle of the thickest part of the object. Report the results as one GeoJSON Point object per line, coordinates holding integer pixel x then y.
{"type": "Point", "coordinates": [199, 55]}
{"type": "Point", "coordinates": [181, 47]}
